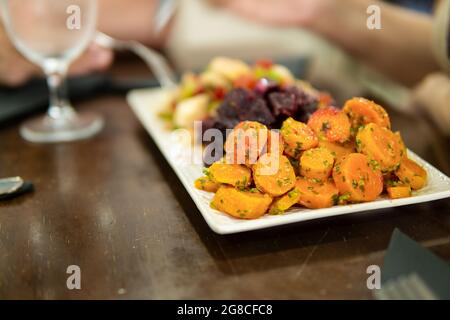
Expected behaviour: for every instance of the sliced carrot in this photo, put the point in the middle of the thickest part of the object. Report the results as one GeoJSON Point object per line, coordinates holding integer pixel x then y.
{"type": "Point", "coordinates": [316, 195]}
{"type": "Point", "coordinates": [357, 179]}
{"type": "Point", "coordinates": [273, 174]}
{"type": "Point", "coordinates": [403, 151]}
{"type": "Point", "coordinates": [330, 124]}
{"type": "Point", "coordinates": [295, 164]}
{"type": "Point", "coordinates": [380, 145]}
{"type": "Point", "coordinates": [206, 184]}
{"type": "Point", "coordinates": [297, 137]}
{"type": "Point", "coordinates": [390, 180]}
{"type": "Point", "coordinates": [317, 163]}
{"type": "Point", "coordinates": [233, 174]}
{"type": "Point", "coordinates": [246, 143]}
{"type": "Point", "coordinates": [275, 143]}
{"type": "Point", "coordinates": [339, 150]}
{"type": "Point", "coordinates": [411, 173]}
{"type": "Point", "coordinates": [362, 111]}
{"type": "Point", "coordinates": [397, 192]}
{"type": "Point", "coordinates": [283, 203]}
{"type": "Point", "coordinates": [241, 204]}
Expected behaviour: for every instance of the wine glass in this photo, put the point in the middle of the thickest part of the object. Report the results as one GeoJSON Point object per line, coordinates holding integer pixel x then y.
{"type": "Point", "coordinates": [52, 34]}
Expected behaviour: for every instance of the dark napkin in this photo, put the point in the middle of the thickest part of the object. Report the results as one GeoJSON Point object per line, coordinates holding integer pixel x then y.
{"type": "Point", "coordinates": [405, 256]}
{"type": "Point", "coordinates": [33, 96]}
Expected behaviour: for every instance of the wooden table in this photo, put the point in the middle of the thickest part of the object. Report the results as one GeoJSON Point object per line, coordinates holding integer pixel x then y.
{"type": "Point", "coordinates": [113, 206]}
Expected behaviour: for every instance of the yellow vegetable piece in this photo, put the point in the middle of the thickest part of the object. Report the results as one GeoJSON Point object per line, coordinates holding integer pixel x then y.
{"type": "Point", "coordinates": [274, 174]}
{"type": "Point", "coordinates": [206, 184]}
{"type": "Point", "coordinates": [411, 173]}
{"type": "Point", "coordinates": [231, 69]}
{"type": "Point", "coordinates": [397, 192]}
{"type": "Point", "coordinates": [283, 203]}
{"type": "Point", "coordinates": [241, 204]}
{"type": "Point", "coordinates": [381, 145]}
{"type": "Point", "coordinates": [233, 174]}
{"type": "Point", "coordinates": [297, 137]}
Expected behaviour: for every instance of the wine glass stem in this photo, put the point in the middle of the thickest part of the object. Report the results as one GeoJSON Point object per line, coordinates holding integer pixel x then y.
{"type": "Point", "coordinates": [60, 109]}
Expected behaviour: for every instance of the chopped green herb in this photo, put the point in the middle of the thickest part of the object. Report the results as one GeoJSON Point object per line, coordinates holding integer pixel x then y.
{"type": "Point", "coordinates": [326, 126]}
{"type": "Point", "coordinates": [293, 194]}
{"type": "Point", "coordinates": [335, 199]}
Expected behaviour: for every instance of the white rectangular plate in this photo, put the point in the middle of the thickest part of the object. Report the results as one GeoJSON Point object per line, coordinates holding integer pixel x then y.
{"type": "Point", "coordinates": [146, 105]}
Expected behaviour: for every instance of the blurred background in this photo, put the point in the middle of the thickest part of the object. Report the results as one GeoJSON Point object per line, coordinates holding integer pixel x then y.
{"type": "Point", "coordinates": [402, 63]}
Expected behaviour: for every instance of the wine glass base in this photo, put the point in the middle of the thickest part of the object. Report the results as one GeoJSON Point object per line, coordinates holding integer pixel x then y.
{"type": "Point", "coordinates": [45, 129]}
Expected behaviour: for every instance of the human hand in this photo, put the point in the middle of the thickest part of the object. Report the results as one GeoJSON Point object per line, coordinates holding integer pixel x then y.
{"type": "Point", "coordinates": [15, 69]}
{"type": "Point", "coordinates": [432, 96]}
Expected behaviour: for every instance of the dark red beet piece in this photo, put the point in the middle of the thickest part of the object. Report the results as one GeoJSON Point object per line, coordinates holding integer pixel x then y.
{"type": "Point", "coordinates": [241, 105]}
{"type": "Point", "coordinates": [283, 104]}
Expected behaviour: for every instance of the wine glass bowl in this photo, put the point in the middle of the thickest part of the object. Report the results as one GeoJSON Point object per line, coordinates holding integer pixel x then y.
{"type": "Point", "coordinates": [52, 34]}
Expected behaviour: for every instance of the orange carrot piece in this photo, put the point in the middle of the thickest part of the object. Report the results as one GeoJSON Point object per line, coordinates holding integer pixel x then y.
{"type": "Point", "coordinates": [339, 150]}
{"type": "Point", "coordinates": [206, 184]}
{"type": "Point", "coordinates": [233, 174]}
{"type": "Point", "coordinates": [380, 145]}
{"type": "Point", "coordinates": [316, 195]}
{"type": "Point", "coordinates": [317, 163]}
{"type": "Point", "coordinates": [297, 137]}
{"type": "Point", "coordinates": [246, 143]}
{"type": "Point", "coordinates": [283, 203]}
{"type": "Point", "coordinates": [397, 192]}
{"type": "Point", "coordinates": [274, 174]}
{"type": "Point", "coordinates": [362, 111]}
{"type": "Point", "coordinates": [357, 179]}
{"type": "Point", "coordinates": [330, 124]}
{"type": "Point", "coordinates": [411, 173]}
{"type": "Point", "coordinates": [277, 145]}
{"type": "Point", "coordinates": [241, 204]}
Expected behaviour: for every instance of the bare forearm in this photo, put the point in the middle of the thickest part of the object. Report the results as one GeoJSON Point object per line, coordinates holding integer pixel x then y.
{"type": "Point", "coordinates": [401, 49]}
{"type": "Point", "coordinates": [128, 20]}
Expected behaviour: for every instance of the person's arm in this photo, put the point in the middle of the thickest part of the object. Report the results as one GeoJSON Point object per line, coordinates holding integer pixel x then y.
{"type": "Point", "coordinates": [441, 39]}
{"type": "Point", "coordinates": [432, 95]}
{"type": "Point", "coordinates": [130, 20]}
{"type": "Point", "coordinates": [401, 49]}
{"type": "Point", "coordinates": [14, 69]}
{"type": "Point", "coordinates": [119, 18]}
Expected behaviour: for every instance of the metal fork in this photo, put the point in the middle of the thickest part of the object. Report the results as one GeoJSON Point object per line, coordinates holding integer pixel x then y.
{"type": "Point", "coordinates": [154, 60]}
{"type": "Point", "coordinates": [410, 287]}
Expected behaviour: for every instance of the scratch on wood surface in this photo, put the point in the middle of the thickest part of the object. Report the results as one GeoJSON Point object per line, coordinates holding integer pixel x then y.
{"type": "Point", "coordinates": [310, 254]}
{"type": "Point", "coordinates": [436, 242]}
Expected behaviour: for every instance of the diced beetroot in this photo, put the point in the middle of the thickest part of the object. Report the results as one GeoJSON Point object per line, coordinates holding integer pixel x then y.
{"type": "Point", "coordinates": [283, 103]}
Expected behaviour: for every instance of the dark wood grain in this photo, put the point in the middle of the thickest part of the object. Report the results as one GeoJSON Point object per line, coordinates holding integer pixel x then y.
{"type": "Point", "coordinates": [113, 206]}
